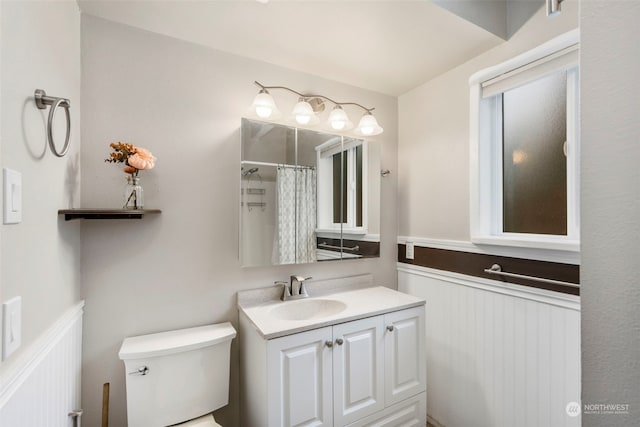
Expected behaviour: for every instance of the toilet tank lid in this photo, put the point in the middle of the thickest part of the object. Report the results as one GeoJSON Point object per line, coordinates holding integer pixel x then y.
{"type": "Point", "coordinates": [172, 342]}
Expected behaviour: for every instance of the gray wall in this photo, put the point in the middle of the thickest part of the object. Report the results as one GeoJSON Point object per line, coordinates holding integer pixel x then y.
{"type": "Point", "coordinates": [610, 170]}
{"type": "Point", "coordinates": [181, 268]}
{"type": "Point", "coordinates": [41, 255]}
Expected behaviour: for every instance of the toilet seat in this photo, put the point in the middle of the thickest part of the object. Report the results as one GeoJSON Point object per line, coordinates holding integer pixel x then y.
{"type": "Point", "coordinates": [204, 421]}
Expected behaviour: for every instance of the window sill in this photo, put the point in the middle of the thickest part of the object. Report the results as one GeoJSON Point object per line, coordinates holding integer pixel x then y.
{"type": "Point", "coordinates": [530, 242]}
{"type": "Point", "coordinates": [351, 231]}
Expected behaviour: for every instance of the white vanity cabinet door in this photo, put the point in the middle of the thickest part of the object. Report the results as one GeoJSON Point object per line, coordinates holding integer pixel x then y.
{"type": "Point", "coordinates": [358, 369]}
{"type": "Point", "coordinates": [405, 365]}
{"type": "Point", "coordinates": [299, 379]}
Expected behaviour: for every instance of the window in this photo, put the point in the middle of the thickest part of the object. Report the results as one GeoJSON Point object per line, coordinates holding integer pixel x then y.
{"type": "Point", "coordinates": [341, 187]}
{"type": "Point", "coordinates": [524, 149]}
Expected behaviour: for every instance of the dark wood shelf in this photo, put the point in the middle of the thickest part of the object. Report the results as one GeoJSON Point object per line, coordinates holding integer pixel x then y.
{"type": "Point", "coordinates": [70, 214]}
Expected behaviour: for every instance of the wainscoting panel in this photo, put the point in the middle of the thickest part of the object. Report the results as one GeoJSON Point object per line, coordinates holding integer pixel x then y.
{"type": "Point", "coordinates": [44, 384]}
{"type": "Point", "coordinates": [497, 357]}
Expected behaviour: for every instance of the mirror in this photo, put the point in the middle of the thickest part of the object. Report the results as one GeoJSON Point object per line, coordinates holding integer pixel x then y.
{"type": "Point", "coordinates": [307, 196]}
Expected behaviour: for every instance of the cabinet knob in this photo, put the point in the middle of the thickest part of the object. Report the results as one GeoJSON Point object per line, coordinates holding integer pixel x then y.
{"type": "Point", "coordinates": [328, 343]}
{"type": "Point", "coordinates": [339, 341]}
{"type": "Point", "coordinates": [390, 328]}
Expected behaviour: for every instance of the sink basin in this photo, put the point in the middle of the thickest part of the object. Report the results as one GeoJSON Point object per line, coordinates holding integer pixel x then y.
{"type": "Point", "coordinates": [307, 309]}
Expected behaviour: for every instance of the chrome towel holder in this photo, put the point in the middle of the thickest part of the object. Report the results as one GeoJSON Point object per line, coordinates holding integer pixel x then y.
{"type": "Point", "coordinates": [497, 270]}
{"type": "Point", "coordinates": [42, 100]}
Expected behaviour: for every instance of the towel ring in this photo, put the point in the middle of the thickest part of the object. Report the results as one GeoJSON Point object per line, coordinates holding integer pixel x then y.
{"type": "Point", "coordinates": [42, 100]}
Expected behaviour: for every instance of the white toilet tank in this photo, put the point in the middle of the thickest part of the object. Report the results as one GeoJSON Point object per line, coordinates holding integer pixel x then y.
{"type": "Point", "coordinates": [178, 375]}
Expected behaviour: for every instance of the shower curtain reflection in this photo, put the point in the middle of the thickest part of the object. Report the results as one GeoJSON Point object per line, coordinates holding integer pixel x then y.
{"type": "Point", "coordinates": [296, 215]}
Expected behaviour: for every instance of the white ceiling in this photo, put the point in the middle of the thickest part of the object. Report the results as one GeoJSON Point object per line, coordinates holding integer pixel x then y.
{"type": "Point", "coordinates": [385, 46]}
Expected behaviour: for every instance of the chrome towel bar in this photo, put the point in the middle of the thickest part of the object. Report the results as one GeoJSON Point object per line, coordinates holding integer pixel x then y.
{"type": "Point", "coordinates": [497, 270]}
{"type": "Point", "coordinates": [42, 100]}
{"type": "Point", "coordinates": [343, 248]}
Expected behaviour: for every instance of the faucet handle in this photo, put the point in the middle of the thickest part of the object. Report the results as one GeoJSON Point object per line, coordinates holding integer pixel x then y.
{"type": "Point", "coordinates": [286, 292]}
{"type": "Point", "coordinates": [303, 290]}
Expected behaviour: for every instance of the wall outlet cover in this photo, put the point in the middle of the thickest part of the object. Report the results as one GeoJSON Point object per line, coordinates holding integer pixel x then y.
{"type": "Point", "coordinates": [11, 326]}
{"type": "Point", "coordinates": [409, 251]}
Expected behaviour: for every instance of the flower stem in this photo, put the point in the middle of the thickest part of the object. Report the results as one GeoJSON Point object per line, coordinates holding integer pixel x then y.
{"type": "Point", "coordinates": [133, 193]}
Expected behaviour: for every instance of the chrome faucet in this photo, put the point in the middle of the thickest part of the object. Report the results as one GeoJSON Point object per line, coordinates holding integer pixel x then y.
{"type": "Point", "coordinates": [294, 289]}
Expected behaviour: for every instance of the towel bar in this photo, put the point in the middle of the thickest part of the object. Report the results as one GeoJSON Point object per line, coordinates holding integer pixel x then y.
{"type": "Point", "coordinates": [344, 248]}
{"type": "Point", "coordinates": [497, 270]}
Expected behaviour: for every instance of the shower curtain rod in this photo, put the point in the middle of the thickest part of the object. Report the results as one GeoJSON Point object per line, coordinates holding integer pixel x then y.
{"type": "Point", "coordinates": [282, 165]}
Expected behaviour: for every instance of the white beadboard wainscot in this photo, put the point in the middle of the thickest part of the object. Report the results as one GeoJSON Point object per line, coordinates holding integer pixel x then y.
{"type": "Point", "coordinates": [497, 354]}
{"type": "Point", "coordinates": [44, 385]}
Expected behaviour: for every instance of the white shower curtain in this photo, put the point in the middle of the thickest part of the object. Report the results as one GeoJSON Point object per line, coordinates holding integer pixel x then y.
{"type": "Point", "coordinates": [296, 238]}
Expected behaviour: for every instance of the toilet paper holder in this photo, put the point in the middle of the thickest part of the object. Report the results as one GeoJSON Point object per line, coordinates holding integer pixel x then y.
{"type": "Point", "coordinates": [76, 415]}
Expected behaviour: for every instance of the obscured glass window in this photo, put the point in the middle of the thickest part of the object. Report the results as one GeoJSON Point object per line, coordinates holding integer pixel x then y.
{"type": "Point", "coordinates": [534, 163]}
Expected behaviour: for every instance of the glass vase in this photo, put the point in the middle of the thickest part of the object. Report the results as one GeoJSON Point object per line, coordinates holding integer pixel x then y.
{"type": "Point", "coordinates": [133, 194]}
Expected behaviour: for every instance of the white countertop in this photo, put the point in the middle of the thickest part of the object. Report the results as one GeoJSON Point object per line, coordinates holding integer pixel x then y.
{"type": "Point", "coordinates": [360, 303]}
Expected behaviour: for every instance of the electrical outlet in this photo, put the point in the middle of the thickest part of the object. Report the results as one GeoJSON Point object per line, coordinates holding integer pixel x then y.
{"type": "Point", "coordinates": [409, 252]}
{"type": "Point", "coordinates": [11, 326]}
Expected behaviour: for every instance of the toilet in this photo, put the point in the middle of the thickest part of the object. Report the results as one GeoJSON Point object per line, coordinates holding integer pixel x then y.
{"type": "Point", "coordinates": [177, 378]}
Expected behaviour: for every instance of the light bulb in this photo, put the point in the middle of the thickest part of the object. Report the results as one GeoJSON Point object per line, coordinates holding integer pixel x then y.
{"type": "Point", "coordinates": [366, 130]}
{"type": "Point", "coordinates": [338, 124]}
{"type": "Point", "coordinates": [263, 104]}
{"type": "Point", "coordinates": [303, 113]}
{"type": "Point", "coordinates": [368, 125]}
{"type": "Point", "coordinates": [338, 119]}
{"type": "Point", "coordinates": [264, 112]}
{"type": "Point", "coordinates": [303, 119]}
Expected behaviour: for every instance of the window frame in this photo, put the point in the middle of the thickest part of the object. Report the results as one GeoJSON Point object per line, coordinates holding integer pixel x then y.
{"type": "Point", "coordinates": [486, 190]}
{"type": "Point", "coordinates": [325, 183]}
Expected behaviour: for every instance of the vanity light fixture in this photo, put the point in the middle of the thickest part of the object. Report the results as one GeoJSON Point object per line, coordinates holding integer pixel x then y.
{"type": "Point", "coordinates": [305, 112]}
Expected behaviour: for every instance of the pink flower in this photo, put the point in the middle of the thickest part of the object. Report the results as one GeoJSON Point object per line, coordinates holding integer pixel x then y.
{"type": "Point", "coordinates": [134, 158]}
{"type": "Point", "coordinates": [143, 152]}
{"type": "Point", "coordinates": [142, 159]}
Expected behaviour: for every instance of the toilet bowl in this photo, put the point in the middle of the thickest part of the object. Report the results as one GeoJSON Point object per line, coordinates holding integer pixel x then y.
{"type": "Point", "coordinates": [177, 376]}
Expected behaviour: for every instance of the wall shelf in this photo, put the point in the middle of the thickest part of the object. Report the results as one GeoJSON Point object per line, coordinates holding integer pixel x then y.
{"type": "Point", "coordinates": [70, 214]}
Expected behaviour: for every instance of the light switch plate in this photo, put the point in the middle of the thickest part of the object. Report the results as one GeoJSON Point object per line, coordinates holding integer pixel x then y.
{"type": "Point", "coordinates": [12, 196]}
{"type": "Point", "coordinates": [409, 250]}
{"type": "Point", "coordinates": [11, 326]}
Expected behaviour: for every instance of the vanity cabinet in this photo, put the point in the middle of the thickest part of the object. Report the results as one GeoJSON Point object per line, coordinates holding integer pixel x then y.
{"type": "Point", "coordinates": [299, 384]}
{"type": "Point", "coordinates": [358, 369]}
{"type": "Point", "coordinates": [369, 371]}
